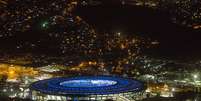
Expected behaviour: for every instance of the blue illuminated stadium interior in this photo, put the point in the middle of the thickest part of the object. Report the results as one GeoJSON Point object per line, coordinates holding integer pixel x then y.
{"type": "Point", "coordinates": [87, 85]}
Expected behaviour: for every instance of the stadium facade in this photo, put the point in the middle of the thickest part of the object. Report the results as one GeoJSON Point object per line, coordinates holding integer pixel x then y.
{"type": "Point", "coordinates": [87, 88]}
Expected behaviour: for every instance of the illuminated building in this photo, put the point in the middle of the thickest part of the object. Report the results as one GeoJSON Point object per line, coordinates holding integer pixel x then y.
{"type": "Point", "coordinates": [93, 88]}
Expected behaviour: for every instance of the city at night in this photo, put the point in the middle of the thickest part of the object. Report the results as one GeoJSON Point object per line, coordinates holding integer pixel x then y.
{"type": "Point", "coordinates": [100, 50]}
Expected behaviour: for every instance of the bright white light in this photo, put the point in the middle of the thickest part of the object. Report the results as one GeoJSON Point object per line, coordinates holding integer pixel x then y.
{"type": "Point", "coordinates": [88, 83]}
{"type": "Point", "coordinates": [11, 89]}
{"type": "Point", "coordinates": [4, 90]}
{"type": "Point", "coordinates": [173, 89]}
{"type": "Point", "coordinates": [118, 33]}
{"type": "Point", "coordinates": [195, 76]}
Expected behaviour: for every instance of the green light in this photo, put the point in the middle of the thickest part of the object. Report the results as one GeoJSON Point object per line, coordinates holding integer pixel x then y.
{"type": "Point", "coordinates": [45, 24]}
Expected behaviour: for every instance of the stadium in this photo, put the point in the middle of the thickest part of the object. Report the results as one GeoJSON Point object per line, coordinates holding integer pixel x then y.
{"type": "Point", "coordinates": [87, 88]}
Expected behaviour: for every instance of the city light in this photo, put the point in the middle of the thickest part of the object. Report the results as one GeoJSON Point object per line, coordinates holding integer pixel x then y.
{"type": "Point", "coordinates": [145, 49]}
{"type": "Point", "coordinates": [173, 89]}
{"type": "Point", "coordinates": [45, 24]}
{"type": "Point", "coordinates": [195, 76]}
{"type": "Point", "coordinates": [118, 33]}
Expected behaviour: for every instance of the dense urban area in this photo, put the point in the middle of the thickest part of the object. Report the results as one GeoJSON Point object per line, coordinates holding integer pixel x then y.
{"type": "Point", "coordinates": [42, 39]}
